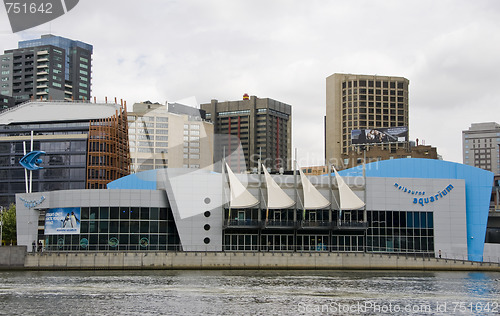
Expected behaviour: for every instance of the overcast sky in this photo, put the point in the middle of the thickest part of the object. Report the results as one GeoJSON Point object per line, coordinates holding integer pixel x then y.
{"type": "Point", "coordinates": [162, 50]}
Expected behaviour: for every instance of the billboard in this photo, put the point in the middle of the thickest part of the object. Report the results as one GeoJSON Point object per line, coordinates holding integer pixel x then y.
{"type": "Point", "coordinates": [380, 135]}
{"type": "Point", "coordinates": [62, 221]}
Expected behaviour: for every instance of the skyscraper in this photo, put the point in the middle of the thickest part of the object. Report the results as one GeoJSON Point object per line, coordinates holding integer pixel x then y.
{"type": "Point", "coordinates": [262, 126]}
{"type": "Point", "coordinates": [481, 146]}
{"type": "Point", "coordinates": [49, 68]}
{"type": "Point", "coordinates": [362, 102]}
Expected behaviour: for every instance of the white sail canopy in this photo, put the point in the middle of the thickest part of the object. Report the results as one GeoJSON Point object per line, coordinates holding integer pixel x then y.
{"type": "Point", "coordinates": [313, 200]}
{"type": "Point", "coordinates": [240, 197]}
{"type": "Point", "coordinates": [276, 197]}
{"type": "Point", "coordinates": [348, 199]}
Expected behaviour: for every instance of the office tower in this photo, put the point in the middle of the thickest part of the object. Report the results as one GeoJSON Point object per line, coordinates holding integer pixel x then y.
{"type": "Point", "coordinates": [263, 127]}
{"type": "Point", "coordinates": [169, 136]}
{"type": "Point", "coordinates": [480, 146]}
{"type": "Point", "coordinates": [49, 68]}
{"type": "Point", "coordinates": [362, 102]}
{"type": "Point", "coordinates": [85, 146]}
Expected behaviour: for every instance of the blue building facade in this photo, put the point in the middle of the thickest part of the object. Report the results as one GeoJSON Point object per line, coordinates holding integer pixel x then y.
{"type": "Point", "coordinates": [478, 184]}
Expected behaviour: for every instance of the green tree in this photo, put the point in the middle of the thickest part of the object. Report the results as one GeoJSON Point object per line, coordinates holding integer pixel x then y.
{"type": "Point", "coordinates": [8, 218]}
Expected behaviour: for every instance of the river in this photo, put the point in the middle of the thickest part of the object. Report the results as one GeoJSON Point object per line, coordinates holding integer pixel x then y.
{"type": "Point", "coordinates": [166, 292]}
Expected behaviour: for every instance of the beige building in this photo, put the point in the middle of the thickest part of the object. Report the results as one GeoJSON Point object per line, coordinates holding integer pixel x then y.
{"type": "Point", "coordinates": [162, 139]}
{"type": "Point", "coordinates": [362, 102]}
{"type": "Point", "coordinates": [375, 153]}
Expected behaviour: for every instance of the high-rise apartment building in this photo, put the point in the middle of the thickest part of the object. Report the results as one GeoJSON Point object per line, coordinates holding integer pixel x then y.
{"type": "Point", "coordinates": [49, 68]}
{"type": "Point", "coordinates": [263, 127]}
{"type": "Point", "coordinates": [481, 146]}
{"type": "Point", "coordinates": [362, 102]}
{"type": "Point", "coordinates": [169, 136]}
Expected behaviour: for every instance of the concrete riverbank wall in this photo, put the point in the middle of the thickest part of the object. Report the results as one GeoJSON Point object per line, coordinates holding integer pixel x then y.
{"type": "Point", "coordinates": [245, 260]}
{"type": "Point", "coordinates": [12, 257]}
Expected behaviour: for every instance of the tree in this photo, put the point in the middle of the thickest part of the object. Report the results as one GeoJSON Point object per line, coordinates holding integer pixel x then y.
{"type": "Point", "coordinates": [8, 218]}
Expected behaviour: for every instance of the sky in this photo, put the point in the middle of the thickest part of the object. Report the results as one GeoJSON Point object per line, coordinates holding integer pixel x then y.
{"type": "Point", "coordinates": [168, 50]}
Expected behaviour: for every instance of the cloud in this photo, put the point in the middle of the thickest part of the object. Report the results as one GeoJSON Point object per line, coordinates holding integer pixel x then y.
{"type": "Point", "coordinates": [284, 50]}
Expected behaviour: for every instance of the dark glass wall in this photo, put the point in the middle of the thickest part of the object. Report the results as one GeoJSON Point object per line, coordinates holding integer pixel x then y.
{"type": "Point", "coordinates": [119, 228]}
{"type": "Point", "coordinates": [64, 163]}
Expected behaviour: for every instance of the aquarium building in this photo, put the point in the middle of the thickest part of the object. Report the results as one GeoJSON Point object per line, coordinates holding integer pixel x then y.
{"type": "Point", "coordinates": [404, 206]}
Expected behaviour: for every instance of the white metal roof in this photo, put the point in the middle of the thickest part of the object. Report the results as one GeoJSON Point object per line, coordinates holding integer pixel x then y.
{"type": "Point", "coordinates": [53, 111]}
{"type": "Point", "coordinates": [240, 197]}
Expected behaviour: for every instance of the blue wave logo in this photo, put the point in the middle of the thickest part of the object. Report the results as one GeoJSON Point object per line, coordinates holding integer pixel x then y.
{"type": "Point", "coordinates": [32, 160]}
{"type": "Point", "coordinates": [25, 14]}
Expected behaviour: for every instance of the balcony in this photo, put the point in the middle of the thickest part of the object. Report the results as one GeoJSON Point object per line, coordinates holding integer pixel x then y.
{"type": "Point", "coordinates": [242, 223]}
{"type": "Point", "coordinates": [316, 224]}
{"type": "Point", "coordinates": [300, 225]}
{"type": "Point", "coordinates": [348, 225]}
{"type": "Point", "coordinates": [272, 223]}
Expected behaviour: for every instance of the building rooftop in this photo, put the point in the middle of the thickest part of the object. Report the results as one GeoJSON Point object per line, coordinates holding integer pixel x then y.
{"type": "Point", "coordinates": [483, 126]}
{"type": "Point", "coordinates": [38, 111]}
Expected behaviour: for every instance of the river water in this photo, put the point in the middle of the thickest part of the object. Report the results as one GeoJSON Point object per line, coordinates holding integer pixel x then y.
{"type": "Point", "coordinates": [248, 293]}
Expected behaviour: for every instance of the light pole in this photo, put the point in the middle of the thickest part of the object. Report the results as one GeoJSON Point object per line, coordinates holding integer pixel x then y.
{"type": "Point", "coordinates": [1, 225]}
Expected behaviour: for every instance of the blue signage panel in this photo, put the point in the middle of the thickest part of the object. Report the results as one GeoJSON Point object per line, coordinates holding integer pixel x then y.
{"type": "Point", "coordinates": [62, 221]}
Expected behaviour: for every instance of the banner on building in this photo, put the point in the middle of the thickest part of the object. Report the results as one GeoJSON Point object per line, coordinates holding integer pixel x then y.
{"type": "Point", "coordinates": [380, 135]}
{"type": "Point", "coordinates": [62, 221]}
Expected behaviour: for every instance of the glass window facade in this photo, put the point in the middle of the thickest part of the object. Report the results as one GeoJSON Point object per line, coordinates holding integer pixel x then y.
{"type": "Point", "coordinates": [119, 228]}
{"type": "Point", "coordinates": [64, 162]}
{"type": "Point", "coordinates": [325, 230]}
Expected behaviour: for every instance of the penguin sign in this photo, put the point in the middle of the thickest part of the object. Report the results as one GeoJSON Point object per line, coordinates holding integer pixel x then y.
{"type": "Point", "coordinates": [32, 160]}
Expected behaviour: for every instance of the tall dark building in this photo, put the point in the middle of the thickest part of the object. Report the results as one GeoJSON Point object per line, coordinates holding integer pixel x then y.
{"type": "Point", "coordinates": [263, 126]}
{"type": "Point", "coordinates": [49, 68]}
